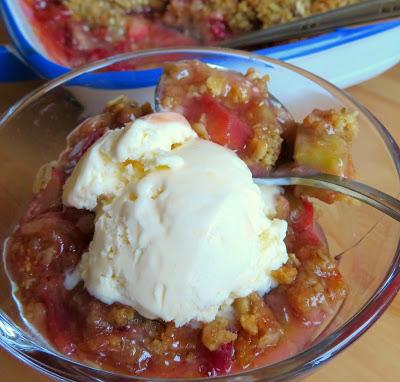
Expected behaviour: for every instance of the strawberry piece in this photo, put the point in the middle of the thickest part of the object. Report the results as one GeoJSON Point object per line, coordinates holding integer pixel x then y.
{"type": "Point", "coordinates": [223, 125]}
{"type": "Point", "coordinates": [49, 199]}
{"type": "Point", "coordinates": [219, 28]}
{"type": "Point", "coordinates": [57, 318]}
{"type": "Point", "coordinates": [219, 362]}
{"type": "Point", "coordinates": [305, 229]}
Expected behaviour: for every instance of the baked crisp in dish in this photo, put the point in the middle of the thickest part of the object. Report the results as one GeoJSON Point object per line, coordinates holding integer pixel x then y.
{"type": "Point", "coordinates": [147, 249]}
{"type": "Point", "coordinates": [75, 32]}
{"type": "Point", "coordinates": [214, 20]}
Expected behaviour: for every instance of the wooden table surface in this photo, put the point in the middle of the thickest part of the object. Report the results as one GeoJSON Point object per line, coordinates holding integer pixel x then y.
{"type": "Point", "coordinates": [376, 355]}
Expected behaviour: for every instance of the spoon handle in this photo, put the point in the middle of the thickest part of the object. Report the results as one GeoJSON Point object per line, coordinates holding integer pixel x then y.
{"type": "Point", "coordinates": [375, 198]}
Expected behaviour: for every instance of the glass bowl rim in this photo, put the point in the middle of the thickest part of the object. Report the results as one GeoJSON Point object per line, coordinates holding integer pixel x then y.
{"type": "Point", "coordinates": [301, 362]}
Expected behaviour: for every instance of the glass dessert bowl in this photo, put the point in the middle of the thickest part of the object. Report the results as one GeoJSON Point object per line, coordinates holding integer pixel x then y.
{"type": "Point", "coordinates": [353, 232]}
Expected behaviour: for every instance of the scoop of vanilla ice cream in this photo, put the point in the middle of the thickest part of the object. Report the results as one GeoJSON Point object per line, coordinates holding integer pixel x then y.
{"type": "Point", "coordinates": [181, 237]}
{"type": "Point", "coordinates": [123, 155]}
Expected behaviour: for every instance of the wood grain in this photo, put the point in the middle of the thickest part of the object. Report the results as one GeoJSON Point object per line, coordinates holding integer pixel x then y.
{"type": "Point", "coordinates": [375, 356]}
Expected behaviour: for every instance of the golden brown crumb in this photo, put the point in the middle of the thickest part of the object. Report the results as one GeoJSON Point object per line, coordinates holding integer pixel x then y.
{"type": "Point", "coordinates": [125, 110]}
{"type": "Point", "coordinates": [121, 315]}
{"type": "Point", "coordinates": [115, 343]}
{"type": "Point", "coordinates": [112, 14]}
{"type": "Point", "coordinates": [265, 145]}
{"type": "Point", "coordinates": [340, 122]}
{"type": "Point", "coordinates": [239, 94]}
{"type": "Point", "coordinates": [318, 284]}
{"type": "Point", "coordinates": [166, 340]}
{"type": "Point", "coordinates": [256, 319]}
{"type": "Point", "coordinates": [249, 323]}
{"type": "Point", "coordinates": [286, 274]}
{"type": "Point", "coordinates": [216, 85]}
{"type": "Point", "coordinates": [216, 333]}
{"type": "Point", "coordinates": [318, 6]}
{"type": "Point", "coordinates": [259, 328]}
{"type": "Point", "coordinates": [242, 306]}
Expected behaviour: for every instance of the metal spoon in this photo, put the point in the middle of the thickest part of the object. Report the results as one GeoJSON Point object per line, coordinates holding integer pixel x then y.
{"type": "Point", "coordinates": [373, 197]}
{"type": "Point", "coordinates": [360, 191]}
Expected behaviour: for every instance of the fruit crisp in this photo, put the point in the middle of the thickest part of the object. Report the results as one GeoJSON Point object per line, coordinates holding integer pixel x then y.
{"type": "Point", "coordinates": [75, 32]}
{"type": "Point", "coordinates": [232, 110]}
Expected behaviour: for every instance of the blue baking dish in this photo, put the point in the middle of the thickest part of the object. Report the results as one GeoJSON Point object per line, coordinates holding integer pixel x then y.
{"type": "Point", "coordinates": [345, 57]}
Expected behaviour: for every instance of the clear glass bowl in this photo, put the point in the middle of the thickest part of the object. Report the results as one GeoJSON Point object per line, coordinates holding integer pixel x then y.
{"type": "Point", "coordinates": [34, 130]}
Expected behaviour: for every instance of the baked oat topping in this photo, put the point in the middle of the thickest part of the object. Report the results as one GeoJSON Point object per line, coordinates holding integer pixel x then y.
{"type": "Point", "coordinates": [75, 32]}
